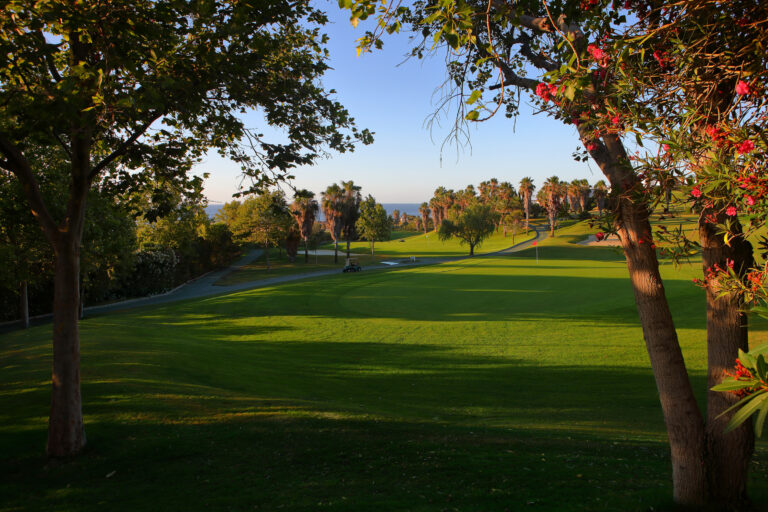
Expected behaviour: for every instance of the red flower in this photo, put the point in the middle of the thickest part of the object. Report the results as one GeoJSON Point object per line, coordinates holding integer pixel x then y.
{"type": "Point", "coordinates": [662, 58]}
{"type": "Point", "coordinates": [750, 200]}
{"type": "Point", "coordinates": [599, 236]}
{"type": "Point", "coordinates": [595, 52]}
{"type": "Point", "coordinates": [546, 91]}
{"type": "Point", "coordinates": [746, 147]}
{"type": "Point", "coordinates": [731, 211]}
{"type": "Point", "coordinates": [696, 192]}
{"type": "Point", "coordinates": [742, 88]}
{"type": "Point", "coordinates": [591, 146]}
{"type": "Point", "coordinates": [665, 147]}
{"type": "Point", "coordinates": [616, 119]}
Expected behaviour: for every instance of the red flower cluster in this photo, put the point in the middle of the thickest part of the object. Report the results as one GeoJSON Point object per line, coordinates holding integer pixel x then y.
{"type": "Point", "coordinates": [662, 58]}
{"type": "Point", "coordinates": [588, 4]}
{"type": "Point", "coordinates": [715, 133]}
{"type": "Point", "coordinates": [742, 373]}
{"type": "Point", "coordinates": [742, 88]}
{"type": "Point", "coordinates": [746, 147]}
{"type": "Point", "coordinates": [598, 54]}
{"type": "Point", "coordinates": [731, 211]}
{"type": "Point", "coordinates": [599, 236]}
{"type": "Point", "coordinates": [591, 146]}
{"type": "Point", "coordinates": [546, 91]}
{"type": "Point", "coordinates": [756, 278]}
{"type": "Point", "coordinates": [696, 192]}
{"type": "Point", "coordinates": [757, 186]}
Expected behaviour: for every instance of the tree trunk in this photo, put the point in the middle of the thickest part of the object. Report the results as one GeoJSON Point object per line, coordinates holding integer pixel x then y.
{"type": "Point", "coordinates": [266, 254]}
{"type": "Point", "coordinates": [66, 435]}
{"type": "Point", "coordinates": [728, 455]}
{"type": "Point", "coordinates": [683, 419]}
{"type": "Point", "coordinates": [347, 248]}
{"type": "Point", "coordinates": [373, 253]}
{"type": "Point", "coordinates": [471, 249]}
{"type": "Point", "coordinates": [306, 252]}
{"type": "Point", "coordinates": [335, 251]}
{"type": "Point", "coordinates": [685, 425]}
{"type": "Point", "coordinates": [24, 304]}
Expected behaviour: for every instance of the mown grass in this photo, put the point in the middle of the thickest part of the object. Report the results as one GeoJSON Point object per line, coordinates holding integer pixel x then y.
{"type": "Point", "coordinates": [485, 384]}
{"type": "Point", "coordinates": [403, 244]}
{"type": "Point", "coordinates": [407, 243]}
{"type": "Point", "coordinates": [279, 266]}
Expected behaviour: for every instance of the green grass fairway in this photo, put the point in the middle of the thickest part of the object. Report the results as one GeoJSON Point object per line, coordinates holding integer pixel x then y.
{"type": "Point", "coordinates": [486, 384]}
{"type": "Point", "coordinates": [412, 244]}
{"type": "Point", "coordinates": [279, 266]}
{"type": "Point", "coordinates": [408, 243]}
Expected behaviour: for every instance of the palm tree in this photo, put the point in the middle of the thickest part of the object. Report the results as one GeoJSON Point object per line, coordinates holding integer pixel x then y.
{"type": "Point", "coordinates": [601, 191]}
{"type": "Point", "coordinates": [434, 205]}
{"type": "Point", "coordinates": [584, 192]}
{"type": "Point", "coordinates": [573, 191]}
{"type": "Point", "coordinates": [304, 209]}
{"type": "Point", "coordinates": [552, 193]}
{"type": "Point", "coordinates": [505, 202]}
{"type": "Point", "coordinates": [333, 208]}
{"type": "Point", "coordinates": [526, 192]}
{"type": "Point", "coordinates": [424, 211]}
{"type": "Point", "coordinates": [350, 211]}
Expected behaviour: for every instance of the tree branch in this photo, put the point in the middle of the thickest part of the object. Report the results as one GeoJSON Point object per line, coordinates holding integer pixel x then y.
{"type": "Point", "coordinates": [123, 147]}
{"type": "Point", "coordinates": [19, 166]}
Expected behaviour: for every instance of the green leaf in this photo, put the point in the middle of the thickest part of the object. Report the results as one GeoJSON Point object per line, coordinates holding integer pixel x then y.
{"type": "Point", "coordinates": [746, 411]}
{"type": "Point", "coordinates": [731, 385]}
{"type": "Point", "coordinates": [570, 92]}
{"type": "Point", "coordinates": [473, 97]}
{"type": "Point", "coordinates": [472, 116]}
{"type": "Point", "coordinates": [761, 418]}
{"type": "Point", "coordinates": [762, 368]}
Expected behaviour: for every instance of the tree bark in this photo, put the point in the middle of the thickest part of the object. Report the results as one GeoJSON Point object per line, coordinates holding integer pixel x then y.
{"type": "Point", "coordinates": [728, 454]}
{"type": "Point", "coordinates": [335, 251]}
{"type": "Point", "coordinates": [683, 419]}
{"type": "Point", "coordinates": [66, 435]}
{"type": "Point", "coordinates": [24, 304]}
{"type": "Point", "coordinates": [306, 252]}
{"type": "Point", "coordinates": [348, 248]}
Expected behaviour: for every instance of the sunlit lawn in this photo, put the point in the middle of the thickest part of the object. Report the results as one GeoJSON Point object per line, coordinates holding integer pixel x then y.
{"type": "Point", "coordinates": [486, 384]}
{"type": "Point", "coordinates": [405, 244]}
{"type": "Point", "coordinates": [402, 245]}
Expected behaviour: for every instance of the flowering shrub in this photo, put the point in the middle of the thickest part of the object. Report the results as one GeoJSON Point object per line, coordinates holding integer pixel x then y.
{"type": "Point", "coordinates": [749, 382]}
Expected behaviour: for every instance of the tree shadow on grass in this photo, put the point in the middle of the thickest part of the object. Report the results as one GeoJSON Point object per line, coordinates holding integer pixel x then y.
{"type": "Point", "coordinates": [445, 432]}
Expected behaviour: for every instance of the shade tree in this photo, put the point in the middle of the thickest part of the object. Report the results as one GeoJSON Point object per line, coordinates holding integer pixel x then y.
{"type": "Point", "coordinates": [471, 226]}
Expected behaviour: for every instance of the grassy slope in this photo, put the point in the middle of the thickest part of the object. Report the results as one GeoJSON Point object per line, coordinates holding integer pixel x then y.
{"type": "Point", "coordinates": [486, 384]}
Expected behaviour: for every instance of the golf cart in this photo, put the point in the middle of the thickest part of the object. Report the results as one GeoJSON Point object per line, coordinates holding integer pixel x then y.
{"type": "Point", "coordinates": [353, 265]}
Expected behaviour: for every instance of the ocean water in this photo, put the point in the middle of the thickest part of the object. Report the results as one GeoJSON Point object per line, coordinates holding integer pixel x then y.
{"type": "Point", "coordinates": [409, 208]}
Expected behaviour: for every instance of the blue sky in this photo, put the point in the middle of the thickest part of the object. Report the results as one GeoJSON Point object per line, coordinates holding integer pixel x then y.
{"type": "Point", "coordinates": [393, 99]}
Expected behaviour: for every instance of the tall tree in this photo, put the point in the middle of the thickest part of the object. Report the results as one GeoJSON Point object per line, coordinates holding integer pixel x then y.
{"type": "Point", "coordinates": [87, 80]}
{"type": "Point", "coordinates": [374, 223]}
{"type": "Point", "coordinates": [471, 225]}
{"type": "Point", "coordinates": [332, 203]}
{"type": "Point", "coordinates": [437, 212]}
{"type": "Point", "coordinates": [396, 217]}
{"type": "Point", "coordinates": [601, 192]}
{"type": "Point", "coordinates": [424, 212]}
{"type": "Point", "coordinates": [350, 211]}
{"type": "Point", "coordinates": [304, 210]}
{"type": "Point", "coordinates": [526, 192]}
{"type": "Point", "coordinates": [264, 220]}
{"type": "Point", "coordinates": [552, 193]}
